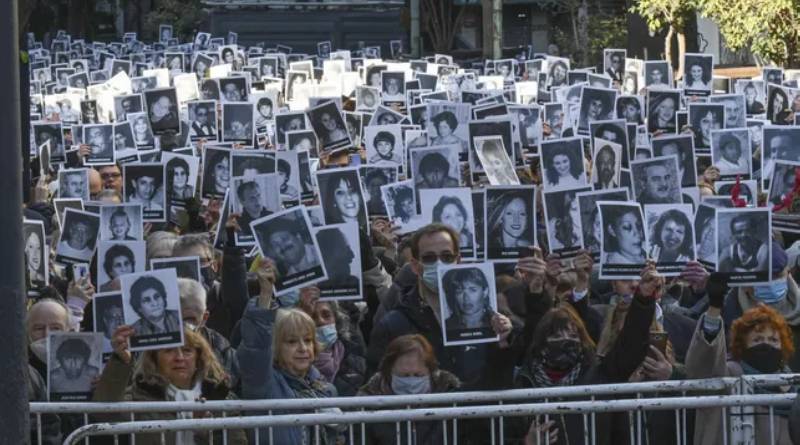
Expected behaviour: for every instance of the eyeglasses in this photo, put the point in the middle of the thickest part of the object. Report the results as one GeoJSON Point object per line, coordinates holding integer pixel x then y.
{"type": "Point", "coordinates": [107, 176]}
{"type": "Point", "coordinates": [445, 257]}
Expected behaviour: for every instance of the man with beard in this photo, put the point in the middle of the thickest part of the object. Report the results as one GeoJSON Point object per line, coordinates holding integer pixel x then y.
{"type": "Point", "coordinates": [433, 172]}
{"type": "Point", "coordinates": [656, 182]}
{"type": "Point", "coordinates": [74, 374]}
{"type": "Point", "coordinates": [249, 194]}
{"type": "Point", "coordinates": [605, 165]}
{"type": "Point", "coordinates": [747, 253]}
{"type": "Point", "coordinates": [687, 175]}
{"type": "Point", "coordinates": [285, 245]}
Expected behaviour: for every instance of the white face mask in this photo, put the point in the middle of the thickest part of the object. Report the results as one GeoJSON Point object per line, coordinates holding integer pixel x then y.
{"type": "Point", "coordinates": [411, 384]}
{"type": "Point", "coordinates": [430, 275]}
{"type": "Point", "coordinates": [39, 349]}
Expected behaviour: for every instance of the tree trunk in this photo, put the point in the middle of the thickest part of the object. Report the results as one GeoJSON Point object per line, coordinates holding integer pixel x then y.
{"type": "Point", "coordinates": [681, 51]}
{"type": "Point", "coordinates": [668, 46]}
{"type": "Point", "coordinates": [583, 32]}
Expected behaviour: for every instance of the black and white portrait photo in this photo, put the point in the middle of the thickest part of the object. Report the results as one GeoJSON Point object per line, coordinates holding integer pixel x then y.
{"type": "Point", "coordinates": [754, 92]}
{"type": "Point", "coordinates": [216, 172]}
{"type": "Point", "coordinates": [144, 184]}
{"type": "Point", "coordinates": [448, 124]}
{"type": "Point", "coordinates": [100, 139]}
{"type": "Point", "coordinates": [89, 113]}
{"type": "Point", "coordinates": [302, 140]}
{"type": "Point", "coordinates": [670, 228]}
{"type": "Point", "coordinates": [623, 242]}
{"type": "Point", "coordinates": [607, 164]}
{"type": "Point", "coordinates": [744, 245]}
{"type": "Point", "coordinates": [265, 109]}
{"type": "Point", "coordinates": [108, 316]}
{"type": "Point", "coordinates": [367, 98]}
{"type": "Point", "coordinates": [779, 143]}
{"type": "Point", "coordinates": [400, 200]}
{"type": "Point", "coordinates": [562, 163]}
{"type": "Point", "coordinates": [233, 89]}
{"type": "Point", "coordinates": [656, 180]}
{"type": "Point", "coordinates": [510, 221]}
{"type": "Point", "coordinates": [341, 196]}
{"type": "Point", "coordinates": [74, 362]}
{"type": "Point", "coordinates": [704, 118]}
{"type": "Point", "coordinates": [121, 222]}
{"type": "Point", "coordinates": [203, 118]}
{"type": "Point", "coordinates": [162, 110]}
{"type": "Point", "coordinates": [503, 127]}
{"type": "Point", "coordinates": [730, 153]}
{"type": "Point", "coordinates": [657, 74]}
{"type": "Point", "coordinates": [782, 184]}
{"type": "Point", "coordinates": [698, 68]}
{"type": "Point", "coordinates": [73, 183]}
{"type": "Point", "coordinates": [340, 248]}
{"type": "Point", "coordinates": [36, 254]}
{"type": "Point", "coordinates": [631, 108]}
{"type": "Point", "coordinates": [328, 124]}
{"type": "Point", "coordinates": [118, 258]}
{"type": "Point", "coordinates": [287, 239]}
{"type": "Point", "coordinates": [436, 167]}
{"type": "Point", "coordinates": [596, 104]}
{"type": "Point", "coordinates": [185, 267]}
{"type": "Point", "coordinates": [661, 108]}
{"type": "Point", "coordinates": [469, 303]}
{"type": "Point", "coordinates": [49, 131]}
{"type": "Point", "coordinates": [152, 307]}
{"type": "Point", "coordinates": [78, 236]}
{"type": "Point", "coordinates": [614, 64]}
{"type": "Point", "coordinates": [294, 79]}
{"type": "Point", "coordinates": [174, 62]}
{"type": "Point", "coordinates": [181, 177]}
{"type": "Point", "coordinates": [682, 147]}
{"type": "Point", "coordinates": [200, 65]}
{"type": "Point", "coordinates": [288, 169]}
{"type": "Point", "coordinates": [372, 179]}
{"type": "Point", "coordinates": [496, 164]}
{"type": "Point", "coordinates": [393, 89]}
{"type": "Point", "coordinates": [451, 207]}
{"type": "Point", "coordinates": [562, 214]}
{"type": "Point", "coordinates": [384, 145]}
{"type": "Point", "coordinates": [286, 122]}
{"type": "Point", "coordinates": [735, 113]}
{"type": "Point", "coordinates": [124, 146]}
{"type": "Point", "coordinates": [237, 123]}
{"type": "Point", "coordinates": [253, 197]}
{"type": "Point", "coordinates": [529, 126]}
{"type": "Point", "coordinates": [590, 216]}
{"type": "Point", "coordinates": [142, 132]}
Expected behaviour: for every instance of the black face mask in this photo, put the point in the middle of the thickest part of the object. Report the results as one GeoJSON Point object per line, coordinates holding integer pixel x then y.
{"type": "Point", "coordinates": [209, 276]}
{"type": "Point", "coordinates": [562, 355]}
{"type": "Point", "coordinates": [763, 357]}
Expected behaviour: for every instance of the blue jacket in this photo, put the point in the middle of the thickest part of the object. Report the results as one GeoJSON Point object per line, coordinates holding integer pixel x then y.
{"type": "Point", "coordinates": [261, 380]}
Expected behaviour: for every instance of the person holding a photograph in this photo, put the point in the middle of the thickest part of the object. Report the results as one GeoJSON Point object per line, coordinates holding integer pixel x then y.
{"type": "Point", "coordinates": [73, 372]}
{"type": "Point", "coordinates": [451, 212]}
{"type": "Point", "coordinates": [33, 257]}
{"type": "Point", "coordinates": [343, 202]}
{"type": "Point", "coordinates": [119, 224]}
{"type": "Point", "coordinates": [149, 301]}
{"type": "Point", "coordinates": [509, 221]}
{"type": "Point", "coordinates": [434, 172]}
{"type": "Point", "coordinates": [78, 240]}
{"type": "Point", "coordinates": [445, 124]}
{"type": "Point", "coordinates": [145, 190]}
{"type": "Point", "coordinates": [671, 240]}
{"type": "Point", "coordinates": [119, 260]}
{"type": "Point", "coordinates": [562, 169]}
{"type": "Point", "coordinates": [624, 236]}
{"type": "Point", "coordinates": [746, 253]}
{"type": "Point", "coordinates": [384, 143]}
{"type": "Point", "coordinates": [288, 191]}
{"type": "Point", "coordinates": [467, 294]}
{"type": "Point", "coordinates": [200, 125]}
{"type": "Point", "coordinates": [178, 180]}
{"type": "Point", "coordinates": [249, 194]}
{"type": "Point", "coordinates": [101, 146]}
{"type": "Point", "coordinates": [606, 166]}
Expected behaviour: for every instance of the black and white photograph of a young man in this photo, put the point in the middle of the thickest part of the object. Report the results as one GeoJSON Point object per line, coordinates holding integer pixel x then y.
{"type": "Point", "coordinates": [340, 248]}
{"type": "Point", "coordinates": [735, 112]}
{"type": "Point", "coordinates": [563, 221]}
{"type": "Point", "coordinates": [237, 123]}
{"type": "Point", "coordinates": [144, 184]}
{"type": "Point", "coordinates": [630, 108]}
{"type": "Point", "coordinates": [129, 103]}
{"type": "Point", "coordinates": [744, 245]}
{"type": "Point", "coordinates": [367, 98]}
{"type": "Point", "coordinates": [495, 161]}
{"type": "Point", "coordinates": [36, 254]}
{"type": "Point", "coordinates": [510, 222]}
{"type": "Point", "coordinates": [730, 153]}
{"type": "Point", "coordinates": [185, 267]}
{"type": "Point", "coordinates": [286, 122]}
{"type": "Point", "coordinates": [286, 238]}
{"type": "Point", "coordinates": [614, 64]}
{"type": "Point", "coordinates": [469, 302]}
{"type": "Point", "coordinates": [384, 144]}
{"type": "Point", "coordinates": [596, 104]}
{"type": "Point", "coordinates": [73, 183]}
{"type": "Point", "coordinates": [436, 167]}
{"type": "Point", "coordinates": [100, 139]}
{"type": "Point", "coordinates": [324, 49]}
{"type": "Point", "coordinates": [754, 92]}
{"type": "Point", "coordinates": [288, 169]}
{"type": "Point", "coordinates": [682, 147]}
{"type": "Point", "coordinates": [590, 216]}
{"type": "Point", "coordinates": [49, 131]}
{"type": "Point", "coordinates": [698, 74]}
{"type": "Point", "coordinates": [328, 124]}
{"type": "Point", "coordinates": [89, 114]}
{"type": "Point", "coordinates": [74, 362]}
{"type": "Point", "coordinates": [152, 307]}
{"type": "Point", "coordinates": [656, 180]}
{"type": "Point", "coordinates": [78, 236]}
{"type": "Point", "coordinates": [121, 222]}
{"type": "Point", "coordinates": [393, 89]}
{"type": "Point", "coordinates": [253, 197]}
{"type": "Point", "coordinates": [661, 108]}
{"type": "Point", "coordinates": [203, 118]}
{"type": "Point", "coordinates": [233, 89]}
{"type": "Point", "coordinates": [117, 258]}
{"type": "Point", "coordinates": [562, 163]}
{"type": "Point", "coordinates": [657, 74]}
{"type": "Point", "coordinates": [671, 233]}
{"type": "Point", "coordinates": [162, 110]}
{"type": "Point", "coordinates": [265, 109]}
{"type": "Point", "coordinates": [607, 159]}
{"type": "Point", "coordinates": [624, 243]}
{"type": "Point", "coordinates": [108, 316]}
{"type": "Point", "coordinates": [451, 207]}
{"type": "Point", "coordinates": [120, 66]}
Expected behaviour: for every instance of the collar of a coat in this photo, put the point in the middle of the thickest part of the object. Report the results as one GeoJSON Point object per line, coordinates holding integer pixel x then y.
{"type": "Point", "coordinates": [154, 387]}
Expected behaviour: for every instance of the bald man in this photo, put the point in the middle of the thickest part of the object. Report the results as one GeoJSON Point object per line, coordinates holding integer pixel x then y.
{"type": "Point", "coordinates": [45, 315]}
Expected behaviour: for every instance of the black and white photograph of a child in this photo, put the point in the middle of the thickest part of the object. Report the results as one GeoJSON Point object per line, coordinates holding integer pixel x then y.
{"type": "Point", "coordinates": [237, 123]}
{"type": "Point", "coordinates": [48, 131]}
{"type": "Point", "coordinates": [451, 207]}
{"type": "Point", "coordinates": [469, 303]}
{"type": "Point", "coordinates": [656, 180]}
{"type": "Point", "coordinates": [286, 122]}
{"type": "Point", "coordinates": [286, 239]}
{"type": "Point", "coordinates": [144, 184]}
{"type": "Point", "coordinates": [328, 124]}
{"type": "Point", "coordinates": [78, 236]}
{"type": "Point", "coordinates": [630, 108]}
{"type": "Point", "coordinates": [384, 145]}
{"type": "Point", "coordinates": [657, 74]}
{"type": "Point", "coordinates": [614, 64]}
{"type": "Point", "coordinates": [293, 80]}
{"type": "Point", "coordinates": [372, 179]}
{"type": "Point", "coordinates": [36, 253]}
{"type": "Point", "coordinates": [185, 267]}
{"type": "Point", "coordinates": [73, 183]}
{"type": "Point", "coordinates": [121, 222]}
{"type": "Point", "coordinates": [735, 115]}
{"type": "Point", "coordinates": [698, 74]}
{"type": "Point", "coordinates": [74, 361]}
{"type": "Point", "coordinates": [142, 132]}
{"type": "Point", "coordinates": [661, 108]}
{"type": "Point", "coordinates": [401, 205]}
{"type": "Point", "coordinates": [265, 108]}
{"type": "Point", "coordinates": [152, 307]}
{"type": "Point", "coordinates": [253, 198]}
{"type": "Point", "coordinates": [623, 243]}
{"type": "Point", "coordinates": [367, 98]}
{"type": "Point", "coordinates": [393, 87]}
{"type": "Point", "coordinates": [510, 222]}
{"type": "Point", "coordinates": [100, 139]}
{"type": "Point", "coordinates": [754, 92]}
{"type": "Point", "coordinates": [233, 89]}
{"type": "Point", "coordinates": [730, 152]}
{"type": "Point", "coordinates": [562, 163]}
{"type": "Point", "coordinates": [744, 244]}
{"type": "Point", "coordinates": [563, 216]}
{"type": "Point", "coordinates": [590, 216]}
{"type": "Point", "coordinates": [495, 161]}
{"type": "Point", "coordinates": [162, 110]}
{"type": "Point", "coordinates": [108, 316]}
{"type": "Point", "coordinates": [436, 167]}
{"type": "Point", "coordinates": [340, 248]}
{"type": "Point", "coordinates": [607, 164]}
{"type": "Point", "coordinates": [89, 112]}
{"type": "Point", "coordinates": [596, 104]}
{"type": "Point", "coordinates": [203, 118]}
{"type": "Point", "coordinates": [117, 258]}
{"type": "Point", "coordinates": [341, 196]}
{"type": "Point", "coordinates": [682, 148]}
{"type": "Point", "coordinates": [671, 234]}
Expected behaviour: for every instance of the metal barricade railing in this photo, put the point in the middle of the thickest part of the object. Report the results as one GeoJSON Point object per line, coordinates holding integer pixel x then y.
{"type": "Point", "coordinates": [494, 405]}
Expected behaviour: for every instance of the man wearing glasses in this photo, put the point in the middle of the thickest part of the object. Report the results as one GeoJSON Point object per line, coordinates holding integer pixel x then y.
{"type": "Point", "coordinates": [112, 178]}
{"type": "Point", "coordinates": [417, 311]}
{"type": "Point", "coordinates": [200, 125]}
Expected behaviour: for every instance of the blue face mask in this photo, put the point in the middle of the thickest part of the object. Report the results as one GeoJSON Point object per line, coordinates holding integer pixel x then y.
{"type": "Point", "coordinates": [289, 299]}
{"type": "Point", "coordinates": [326, 334]}
{"type": "Point", "coordinates": [411, 384]}
{"type": "Point", "coordinates": [430, 275]}
{"type": "Point", "coordinates": [773, 292]}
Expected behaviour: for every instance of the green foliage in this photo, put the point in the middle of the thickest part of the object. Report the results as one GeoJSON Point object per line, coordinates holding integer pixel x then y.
{"type": "Point", "coordinates": [604, 32]}
{"type": "Point", "coordinates": [185, 16]}
{"type": "Point", "coordinates": [663, 13]}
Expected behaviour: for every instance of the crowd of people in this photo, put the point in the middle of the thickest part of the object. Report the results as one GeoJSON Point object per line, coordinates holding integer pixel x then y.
{"type": "Point", "coordinates": [376, 226]}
